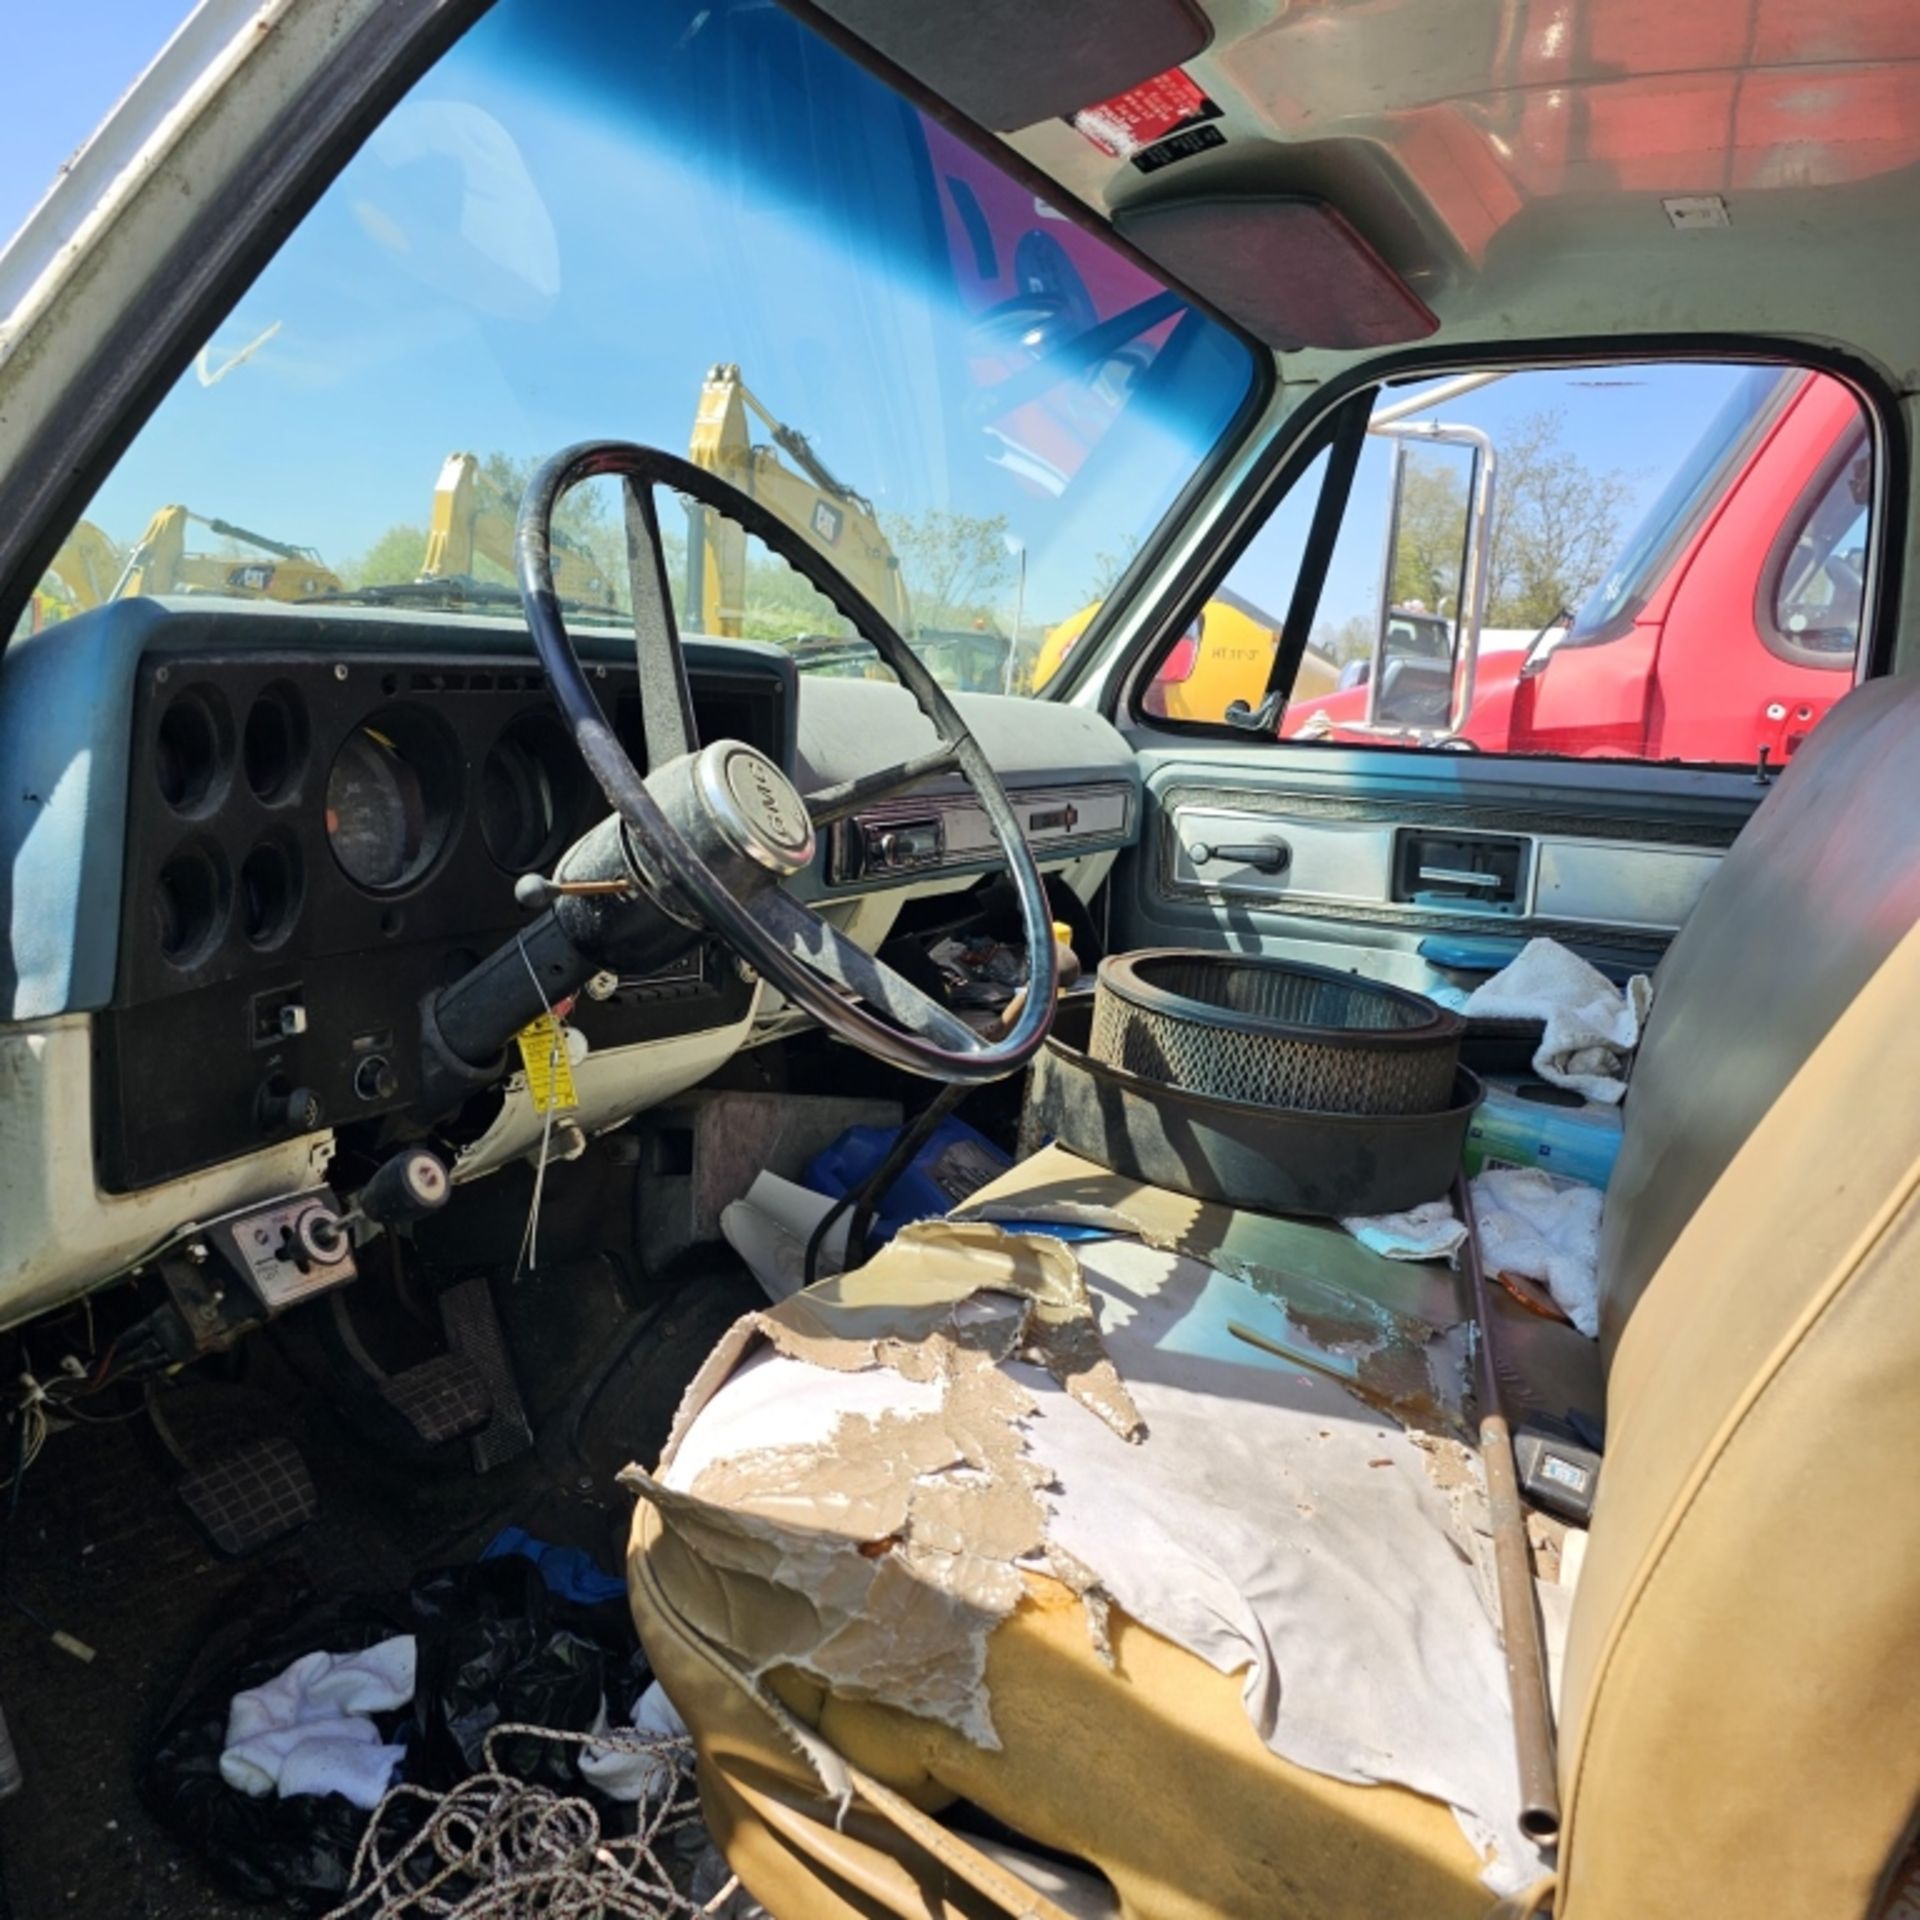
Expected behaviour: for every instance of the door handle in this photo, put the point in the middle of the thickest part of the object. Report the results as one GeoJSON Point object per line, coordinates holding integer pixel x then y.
{"type": "Point", "coordinates": [1265, 856]}
{"type": "Point", "coordinates": [1460, 877]}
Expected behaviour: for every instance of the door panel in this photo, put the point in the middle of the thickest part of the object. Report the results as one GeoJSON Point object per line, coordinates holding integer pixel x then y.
{"type": "Point", "coordinates": [1426, 870]}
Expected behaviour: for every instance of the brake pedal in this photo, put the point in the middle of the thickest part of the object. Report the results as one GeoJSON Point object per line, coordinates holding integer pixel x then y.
{"type": "Point", "coordinates": [443, 1398]}
{"type": "Point", "coordinates": [474, 1335]}
{"type": "Point", "coordinates": [247, 1498]}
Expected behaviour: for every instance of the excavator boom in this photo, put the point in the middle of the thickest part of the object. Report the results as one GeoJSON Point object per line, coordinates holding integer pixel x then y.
{"type": "Point", "coordinates": [825, 511]}
{"type": "Point", "coordinates": [473, 520]}
{"type": "Point", "coordinates": [160, 563]}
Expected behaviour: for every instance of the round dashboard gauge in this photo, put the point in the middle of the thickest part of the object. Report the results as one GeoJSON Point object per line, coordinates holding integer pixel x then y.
{"type": "Point", "coordinates": [516, 806]}
{"type": "Point", "coordinates": [532, 793]}
{"type": "Point", "coordinates": [390, 796]}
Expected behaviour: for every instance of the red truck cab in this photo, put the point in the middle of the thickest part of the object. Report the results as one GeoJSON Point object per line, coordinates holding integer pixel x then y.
{"type": "Point", "coordinates": [1728, 623]}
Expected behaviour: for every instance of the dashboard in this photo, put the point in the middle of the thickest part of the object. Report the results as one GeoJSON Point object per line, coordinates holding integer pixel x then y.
{"type": "Point", "coordinates": [241, 847]}
{"type": "Point", "coordinates": [315, 845]}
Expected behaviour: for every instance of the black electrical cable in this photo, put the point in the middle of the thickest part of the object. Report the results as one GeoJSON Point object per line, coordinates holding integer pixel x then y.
{"type": "Point", "coordinates": [864, 1198]}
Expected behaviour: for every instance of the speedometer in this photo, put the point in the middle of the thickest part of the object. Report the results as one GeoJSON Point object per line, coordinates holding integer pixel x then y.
{"type": "Point", "coordinates": [389, 800]}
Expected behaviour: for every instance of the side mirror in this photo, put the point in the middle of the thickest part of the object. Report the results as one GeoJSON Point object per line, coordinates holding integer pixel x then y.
{"type": "Point", "coordinates": [1434, 580]}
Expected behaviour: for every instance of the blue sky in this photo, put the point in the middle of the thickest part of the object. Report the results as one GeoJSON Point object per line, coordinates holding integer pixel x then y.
{"type": "Point", "coordinates": [67, 62]}
{"type": "Point", "coordinates": [568, 222]}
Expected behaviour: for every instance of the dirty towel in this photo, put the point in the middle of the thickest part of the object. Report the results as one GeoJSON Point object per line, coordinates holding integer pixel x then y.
{"type": "Point", "coordinates": [1592, 1027]}
{"type": "Point", "coordinates": [1547, 1230]}
{"type": "Point", "coordinates": [1429, 1232]}
{"type": "Point", "coordinates": [622, 1774]}
{"type": "Point", "coordinates": [1530, 1224]}
{"type": "Point", "coordinates": [1261, 1517]}
{"type": "Point", "coordinates": [491, 1642]}
{"type": "Point", "coordinates": [307, 1731]}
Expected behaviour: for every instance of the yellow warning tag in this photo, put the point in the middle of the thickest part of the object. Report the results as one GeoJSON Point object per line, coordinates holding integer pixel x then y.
{"type": "Point", "coordinates": [543, 1052]}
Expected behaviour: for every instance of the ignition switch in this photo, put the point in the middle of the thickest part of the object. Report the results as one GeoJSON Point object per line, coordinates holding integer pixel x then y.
{"type": "Point", "coordinates": [314, 1237]}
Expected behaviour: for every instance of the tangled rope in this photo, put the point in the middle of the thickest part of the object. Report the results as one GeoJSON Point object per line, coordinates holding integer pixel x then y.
{"type": "Point", "coordinates": [499, 1848]}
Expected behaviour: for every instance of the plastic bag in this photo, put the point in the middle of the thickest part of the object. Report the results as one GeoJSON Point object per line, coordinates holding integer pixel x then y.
{"type": "Point", "coordinates": [494, 1643]}
{"type": "Point", "coordinates": [955, 1162]}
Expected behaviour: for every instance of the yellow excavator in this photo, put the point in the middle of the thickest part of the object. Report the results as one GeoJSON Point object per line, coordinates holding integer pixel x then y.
{"type": "Point", "coordinates": [90, 569]}
{"type": "Point", "coordinates": [160, 563]}
{"type": "Point", "coordinates": [86, 569]}
{"type": "Point", "coordinates": [473, 520]}
{"type": "Point", "coordinates": [824, 510]}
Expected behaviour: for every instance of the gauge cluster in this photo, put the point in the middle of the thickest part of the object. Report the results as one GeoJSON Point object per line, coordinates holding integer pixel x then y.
{"type": "Point", "coordinates": [316, 844]}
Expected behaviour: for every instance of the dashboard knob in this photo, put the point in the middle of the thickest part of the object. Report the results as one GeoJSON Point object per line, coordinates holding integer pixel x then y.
{"type": "Point", "coordinates": [375, 1079]}
{"type": "Point", "coordinates": [302, 1110]}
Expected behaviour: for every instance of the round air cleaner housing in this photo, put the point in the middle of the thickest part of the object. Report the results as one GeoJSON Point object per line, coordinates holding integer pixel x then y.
{"type": "Point", "coordinates": [1271, 1033]}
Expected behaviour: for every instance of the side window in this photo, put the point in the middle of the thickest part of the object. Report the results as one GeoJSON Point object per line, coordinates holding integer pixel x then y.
{"type": "Point", "coordinates": [1819, 584]}
{"type": "Point", "coordinates": [1226, 653]}
{"type": "Point", "coordinates": [1656, 562]}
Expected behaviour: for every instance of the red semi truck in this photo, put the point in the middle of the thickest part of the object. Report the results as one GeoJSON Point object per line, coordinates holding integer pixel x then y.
{"type": "Point", "coordinates": [1725, 629]}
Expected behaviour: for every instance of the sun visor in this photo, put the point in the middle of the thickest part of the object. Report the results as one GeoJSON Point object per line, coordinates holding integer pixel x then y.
{"type": "Point", "coordinates": [1289, 269]}
{"type": "Point", "coordinates": [1010, 63]}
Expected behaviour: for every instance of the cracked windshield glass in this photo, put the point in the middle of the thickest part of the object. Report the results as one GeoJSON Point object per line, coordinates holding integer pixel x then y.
{"type": "Point", "coordinates": [703, 229]}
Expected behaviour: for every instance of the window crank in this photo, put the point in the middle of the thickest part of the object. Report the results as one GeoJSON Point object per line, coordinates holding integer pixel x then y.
{"type": "Point", "coordinates": [1265, 856]}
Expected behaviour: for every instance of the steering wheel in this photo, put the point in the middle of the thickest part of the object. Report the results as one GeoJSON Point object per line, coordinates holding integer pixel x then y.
{"type": "Point", "coordinates": [711, 833]}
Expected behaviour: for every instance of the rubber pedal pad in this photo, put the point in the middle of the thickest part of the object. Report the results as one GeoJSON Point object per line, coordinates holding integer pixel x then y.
{"type": "Point", "coordinates": [250, 1496]}
{"type": "Point", "coordinates": [441, 1399]}
{"type": "Point", "coordinates": [474, 1335]}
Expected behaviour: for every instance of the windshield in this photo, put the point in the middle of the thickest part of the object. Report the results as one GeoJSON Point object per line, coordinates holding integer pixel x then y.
{"type": "Point", "coordinates": [1670, 519]}
{"type": "Point", "coordinates": [702, 228]}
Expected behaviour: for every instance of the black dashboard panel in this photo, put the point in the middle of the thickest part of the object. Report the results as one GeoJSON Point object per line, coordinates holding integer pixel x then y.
{"type": "Point", "coordinates": [315, 842]}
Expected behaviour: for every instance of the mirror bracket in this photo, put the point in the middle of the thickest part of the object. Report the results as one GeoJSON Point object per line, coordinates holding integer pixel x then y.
{"type": "Point", "coordinates": [1265, 718]}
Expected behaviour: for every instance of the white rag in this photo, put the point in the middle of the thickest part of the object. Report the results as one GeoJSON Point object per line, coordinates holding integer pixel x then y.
{"type": "Point", "coordinates": [770, 1228]}
{"type": "Point", "coordinates": [1546, 1229]}
{"type": "Point", "coordinates": [1530, 1224]}
{"type": "Point", "coordinates": [623, 1774]}
{"type": "Point", "coordinates": [1430, 1232]}
{"type": "Point", "coordinates": [1592, 1027]}
{"type": "Point", "coordinates": [306, 1730]}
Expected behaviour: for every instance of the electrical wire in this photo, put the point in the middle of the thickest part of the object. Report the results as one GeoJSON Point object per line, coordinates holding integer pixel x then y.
{"type": "Point", "coordinates": [865, 1199]}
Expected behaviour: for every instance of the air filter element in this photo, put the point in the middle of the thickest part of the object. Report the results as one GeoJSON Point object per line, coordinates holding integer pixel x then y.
{"type": "Point", "coordinates": [1268, 1033]}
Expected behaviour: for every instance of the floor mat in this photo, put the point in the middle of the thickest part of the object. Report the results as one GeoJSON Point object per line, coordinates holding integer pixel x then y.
{"type": "Point", "coordinates": [103, 1549]}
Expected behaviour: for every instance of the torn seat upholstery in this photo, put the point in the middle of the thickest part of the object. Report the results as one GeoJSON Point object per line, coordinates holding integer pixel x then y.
{"type": "Point", "coordinates": [864, 1635]}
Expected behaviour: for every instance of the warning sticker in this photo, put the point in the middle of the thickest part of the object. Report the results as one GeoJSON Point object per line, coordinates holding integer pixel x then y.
{"type": "Point", "coordinates": [1134, 120]}
{"type": "Point", "coordinates": [543, 1053]}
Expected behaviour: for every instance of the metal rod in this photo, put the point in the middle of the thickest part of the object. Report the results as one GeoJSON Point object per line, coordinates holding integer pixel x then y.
{"type": "Point", "coordinates": [1431, 397]}
{"type": "Point", "coordinates": [866, 1197]}
{"type": "Point", "coordinates": [1533, 1737]}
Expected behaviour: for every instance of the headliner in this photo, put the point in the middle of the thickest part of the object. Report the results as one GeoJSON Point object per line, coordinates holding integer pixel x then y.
{"type": "Point", "coordinates": [1510, 158]}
